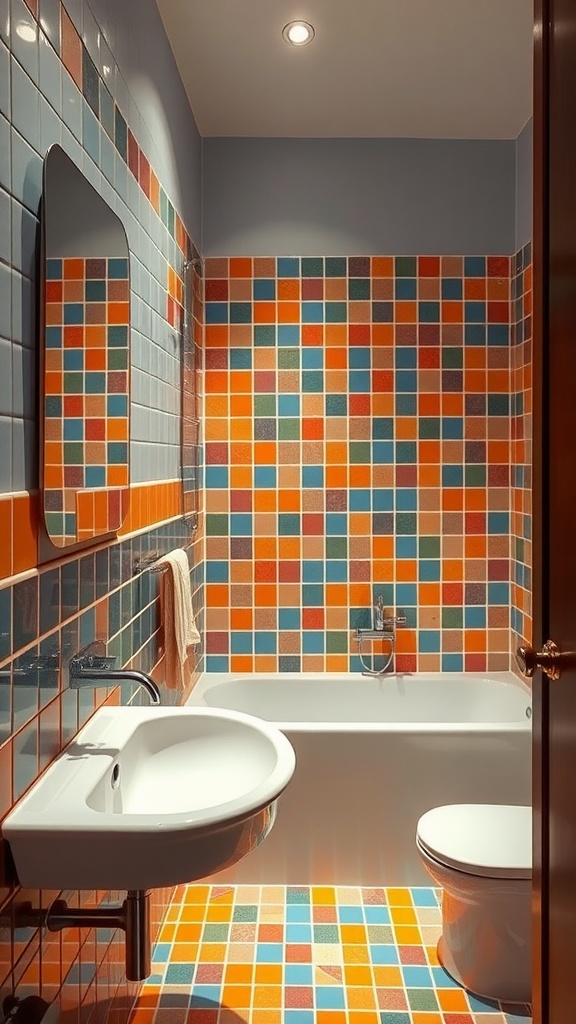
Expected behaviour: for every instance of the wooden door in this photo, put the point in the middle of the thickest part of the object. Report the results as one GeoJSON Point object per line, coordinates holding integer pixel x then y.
{"type": "Point", "coordinates": [555, 509]}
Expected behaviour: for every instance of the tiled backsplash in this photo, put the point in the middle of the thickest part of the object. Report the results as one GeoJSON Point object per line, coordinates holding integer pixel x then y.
{"type": "Point", "coordinates": [64, 86]}
{"type": "Point", "coordinates": [357, 444]}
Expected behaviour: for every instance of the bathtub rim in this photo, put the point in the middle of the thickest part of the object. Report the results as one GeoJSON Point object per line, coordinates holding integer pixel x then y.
{"type": "Point", "coordinates": [208, 679]}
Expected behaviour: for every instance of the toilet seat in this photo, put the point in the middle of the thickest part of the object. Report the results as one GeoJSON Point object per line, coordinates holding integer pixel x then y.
{"type": "Point", "coordinates": [488, 840]}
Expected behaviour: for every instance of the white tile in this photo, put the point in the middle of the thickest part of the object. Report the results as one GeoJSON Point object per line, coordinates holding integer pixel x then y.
{"type": "Point", "coordinates": [50, 74]}
{"type": "Point", "coordinates": [24, 33]}
{"type": "Point", "coordinates": [25, 105]}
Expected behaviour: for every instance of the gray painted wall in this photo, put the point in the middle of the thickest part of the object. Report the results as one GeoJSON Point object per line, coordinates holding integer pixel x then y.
{"type": "Point", "coordinates": [159, 113]}
{"type": "Point", "coordinates": [524, 185]}
{"type": "Point", "coordinates": [358, 196]}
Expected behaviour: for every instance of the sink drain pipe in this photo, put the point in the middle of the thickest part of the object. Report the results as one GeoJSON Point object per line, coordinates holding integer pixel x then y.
{"type": "Point", "coordinates": [132, 916]}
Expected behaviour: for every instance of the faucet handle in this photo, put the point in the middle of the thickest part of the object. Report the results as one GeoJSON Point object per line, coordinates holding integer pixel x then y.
{"type": "Point", "coordinates": [92, 656]}
{"type": "Point", "coordinates": [395, 620]}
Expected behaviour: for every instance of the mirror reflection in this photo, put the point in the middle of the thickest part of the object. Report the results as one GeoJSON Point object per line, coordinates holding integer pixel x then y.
{"type": "Point", "coordinates": [85, 375]}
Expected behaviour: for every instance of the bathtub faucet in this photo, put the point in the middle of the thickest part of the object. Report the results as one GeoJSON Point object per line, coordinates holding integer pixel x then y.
{"type": "Point", "coordinates": [385, 630]}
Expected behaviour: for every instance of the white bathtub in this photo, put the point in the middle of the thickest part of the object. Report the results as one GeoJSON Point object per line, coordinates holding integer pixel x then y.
{"type": "Point", "coordinates": [372, 756]}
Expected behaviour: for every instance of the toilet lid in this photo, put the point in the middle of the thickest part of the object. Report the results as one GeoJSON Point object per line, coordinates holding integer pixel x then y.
{"type": "Point", "coordinates": [492, 840]}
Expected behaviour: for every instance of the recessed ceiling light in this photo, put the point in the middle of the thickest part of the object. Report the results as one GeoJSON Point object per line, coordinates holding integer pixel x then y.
{"type": "Point", "coordinates": [298, 33]}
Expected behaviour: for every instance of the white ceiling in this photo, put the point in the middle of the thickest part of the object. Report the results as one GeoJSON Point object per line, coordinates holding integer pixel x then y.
{"type": "Point", "coordinates": [385, 68]}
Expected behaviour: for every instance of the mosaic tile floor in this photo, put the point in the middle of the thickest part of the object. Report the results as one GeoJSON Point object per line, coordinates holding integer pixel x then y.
{"type": "Point", "coordinates": [306, 955]}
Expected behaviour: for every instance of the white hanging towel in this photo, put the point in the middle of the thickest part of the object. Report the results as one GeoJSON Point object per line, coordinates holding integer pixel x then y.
{"type": "Point", "coordinates": [180, 633]}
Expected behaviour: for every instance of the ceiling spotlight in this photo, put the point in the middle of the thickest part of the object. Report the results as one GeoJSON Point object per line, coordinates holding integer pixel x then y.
{"type": "Point", "coordinates": [298, 33]}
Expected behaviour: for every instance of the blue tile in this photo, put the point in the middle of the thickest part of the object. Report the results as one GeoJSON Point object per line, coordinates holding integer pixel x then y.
{"type": "Point", "coordinates": [475, 266]}
{"type": "Point", "coordinates": [313, 642]}
{"type": "Point", "coordinates": [452, 663]}
{"type": "Point", "coordinates": [216, 312]}
{"type": "Point", "coordinates": [269, 953]}
{"type": "Point", "coordinates": [299, 1016]}
{"type": "Point", "coordinates": [288, 335]}
{"type": "Point", "coordinates": [312, 595]}
{"type": "Point", "coordinates": [205, 996]}
{"type": "Point", "coordinates": [452, 288]}
{"type": "Point", "coordinates": [424, 897]}
{"type": "Point", "coordinates": [312, 312]}
{"type": "Point", "coordinates": [417, 977]}
{"type": "Point", "coordinates": [330, 997]}
{"type": "Point", "coordinates": [377, 914]}
{"type": "Point", "coordinates": [359, 358]}
{"type": "Point", "coordinates": [297, 911]}
{"type": "Point", "coordinates": [298, 974]}
{"type": "Point", "coordinates": [359, 381]}
{"type": "Point", "coordinates": [265, 642]}
{"type": "Point", "coordinates": [383, 955]}
{"type": "Point", "coordinates": [312, 359]}
{"type": "Point", "coordinates": [264, 289]}
{"type": "Point", "coordinates": [350, 915]}
{"type": "Point", "coordinates": [288, 267]}
{"type": "Point", "coordinates": [442, 979]}
{"type": "Point", "coordinates": [406, 547]}
{"type": "Point", "coordinates": [298, 933]}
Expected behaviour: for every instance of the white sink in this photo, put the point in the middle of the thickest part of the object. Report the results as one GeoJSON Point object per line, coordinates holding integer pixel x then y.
{"type": "Point", "coordinates": [146, 797]}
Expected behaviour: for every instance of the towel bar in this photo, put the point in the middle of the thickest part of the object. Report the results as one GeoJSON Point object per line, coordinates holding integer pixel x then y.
{"type": "Point", "coordinates": [148, 564]}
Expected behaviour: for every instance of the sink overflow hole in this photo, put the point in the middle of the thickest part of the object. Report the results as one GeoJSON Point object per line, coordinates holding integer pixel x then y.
{"type": "Point", "coordinates": [115, 776]}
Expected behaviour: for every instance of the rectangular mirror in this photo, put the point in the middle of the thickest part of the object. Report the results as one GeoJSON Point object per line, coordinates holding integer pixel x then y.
{"type": "Point", "coordinates": [85, 364]}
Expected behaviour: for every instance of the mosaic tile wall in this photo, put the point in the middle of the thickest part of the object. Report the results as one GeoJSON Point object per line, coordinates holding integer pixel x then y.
{"type": "Point", "coordinates": [86, 396]}
{"type": "Point", "coordinates": [357, 444]}
{"type": "Point", "coordinates": [521, 446]}
{"type": "Point", "coordinates": [59, 82]}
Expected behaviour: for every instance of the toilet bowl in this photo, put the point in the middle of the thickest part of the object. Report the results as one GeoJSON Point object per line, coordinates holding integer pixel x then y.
{"type": "Point", "coordinates": [481, 855]}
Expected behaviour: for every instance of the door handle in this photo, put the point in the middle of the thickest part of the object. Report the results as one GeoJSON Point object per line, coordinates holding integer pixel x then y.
{"type": "Point", "coordinates": [550, 659]}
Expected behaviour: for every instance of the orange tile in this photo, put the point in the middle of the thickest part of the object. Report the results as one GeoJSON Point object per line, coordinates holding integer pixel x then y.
{"type": "Point", "coordinates": [323, 895]}
{"type": "Point", "coordinates": [355, 954]}
{"type": "Point", "coordinates": [288, 312]}
{"type": "Point", "coordinates": [355, 974]}
{"type": "Point", "coordinates": [268, 974]}
{"type": "Point", "coordinates": [24, 532]}
{"type": "Point", "coordinates": [6, 535]}
{"type": "Point", "coordinates": [288, 288]}
{"type": "Point", "coordinates": [382, 335]}
{"type": "Point", "coordinates": [387, 977]}
{"type": "Point", "coordinates": [264, 312]}
{"type": "Point", "coordinates": [353, 933]}
{"type": "Point", "coordinates": [360, 999]}
{"type": "Point", "coordinates": [241, 663]}
{"type": "Point", "coordinates": [184, 953]}
{"type": "Point", "coordinates": [406, 570]}
{"type": "Point", "coordinates": [289, 500]}
{"type": "Point", "coordinates": [407, 936]}
{"type": "Point", "coordinates": [241, 405]}
{"type": "Point", "coordinates": [452, 1000]}
{"type": "Point", "coordinates": [265, 453]}
{"type": "Point", "coordinates": [240, 267]}
{"type": "Point", "coordinates": [382, 266]}
{"type": "Point", "coordinates": [217, 595]}
{"type": "Point", "coordinates": [238, 974]}
{"type": "Point", "coordinates": [399, 897]}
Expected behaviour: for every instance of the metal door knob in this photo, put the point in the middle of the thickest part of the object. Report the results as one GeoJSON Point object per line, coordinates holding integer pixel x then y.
{"type": "Point", "coordinates": [549, 659]}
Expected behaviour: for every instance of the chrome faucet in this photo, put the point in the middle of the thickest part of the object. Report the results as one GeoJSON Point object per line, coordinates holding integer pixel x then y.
{"type": "Point", "coordinates": [384, 629]}
{"type": "Point", "coordinates": [89, 668]}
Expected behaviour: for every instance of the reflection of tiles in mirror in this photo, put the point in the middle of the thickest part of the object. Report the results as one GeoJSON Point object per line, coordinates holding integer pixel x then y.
{"type": "Point", "coordinates": [86, 396]}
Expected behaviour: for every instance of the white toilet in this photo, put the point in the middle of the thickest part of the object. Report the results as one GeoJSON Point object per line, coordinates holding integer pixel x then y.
{"type": "Point", "coordinates": [481, 855]}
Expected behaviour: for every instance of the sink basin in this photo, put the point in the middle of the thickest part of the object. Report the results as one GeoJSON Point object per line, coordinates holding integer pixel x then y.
{"type": "Point", "coordinates": [147, 797]}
